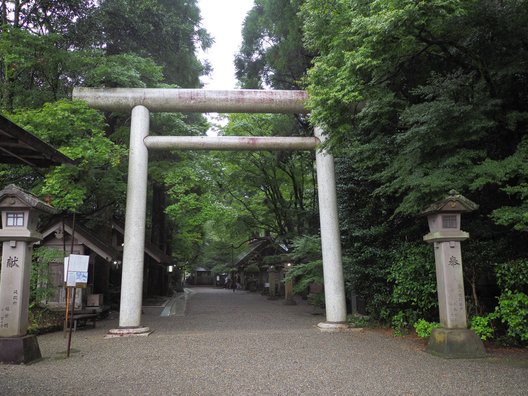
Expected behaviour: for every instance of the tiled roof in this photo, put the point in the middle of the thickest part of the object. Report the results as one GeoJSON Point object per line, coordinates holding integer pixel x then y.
{"type": "Point", "coordinates": [17, 146]}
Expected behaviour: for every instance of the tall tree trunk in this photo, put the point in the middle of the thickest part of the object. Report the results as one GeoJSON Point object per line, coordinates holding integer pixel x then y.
{"type": "Point", "coordinates": [7, 92]}
{"type": "Point", "coordinates": [475, 295]}
{"type": "Point", "coordinates": [16, 14]}
{"type": "Point", "coordinates": [4, 14]}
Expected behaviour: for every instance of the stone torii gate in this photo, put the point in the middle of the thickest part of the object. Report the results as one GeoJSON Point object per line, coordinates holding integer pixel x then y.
{"type": "Point", "coordinates": [143, 101]}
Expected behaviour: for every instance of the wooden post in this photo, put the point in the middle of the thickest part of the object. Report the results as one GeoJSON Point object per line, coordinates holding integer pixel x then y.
{"type": "Point", "coordinates": [71, 322]}
{"type": "Point", "coordinates": [67, 306]}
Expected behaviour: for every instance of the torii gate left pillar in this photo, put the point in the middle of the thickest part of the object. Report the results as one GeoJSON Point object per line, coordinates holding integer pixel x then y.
{"type": "Point", "coordinates": [141, 102]}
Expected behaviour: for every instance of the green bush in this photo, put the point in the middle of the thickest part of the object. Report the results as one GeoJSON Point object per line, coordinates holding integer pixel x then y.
{"type": "Point", "coordinates": [413, 282]}
{"type": "Point", "coordinates": [423, 328]}
{"type": "Point", "coordinates": [513, 312]}
{"type": "Point", "coordinates": [305, 275]}
{"type": "Point", "coordinates": [512, 309]}
{"type": "Point", "coordinates": [400, 324]}
{"type": "Point", "coordinates": [513, 275]}
{"type": "Point", "coordinates": [359, 321]}
{"type": "Point", "coordinates": [413, 278]}
{"type": "Point", "coordinates": [481, 325]}
{"type": "Point", "coordinates": [307, 252]}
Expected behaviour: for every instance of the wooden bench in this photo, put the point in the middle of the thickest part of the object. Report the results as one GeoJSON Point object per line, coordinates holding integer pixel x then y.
{"type": "Point", "coordinates": [82, 319]}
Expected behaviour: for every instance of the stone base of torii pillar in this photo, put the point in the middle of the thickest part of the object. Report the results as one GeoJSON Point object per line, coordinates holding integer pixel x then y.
{"type": "Point", "coordinates": [129, 332]}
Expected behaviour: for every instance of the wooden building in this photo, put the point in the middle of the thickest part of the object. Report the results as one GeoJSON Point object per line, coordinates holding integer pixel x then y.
{"type": "Point", "coordinates": [105, 249]}
{"type": "Point", "coordinates": [251, 264]}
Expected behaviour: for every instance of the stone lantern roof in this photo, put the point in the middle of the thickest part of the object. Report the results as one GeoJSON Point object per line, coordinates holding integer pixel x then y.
{"type": "Point", "coordinates": [26, 199]}
{"type": "Point", "coordinates": [454, 203]}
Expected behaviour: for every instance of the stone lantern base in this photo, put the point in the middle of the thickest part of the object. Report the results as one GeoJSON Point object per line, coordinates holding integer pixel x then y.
{"type": "Point", "coordinates": [455, 344]}
{"type": "Point", "coordinates": [19, 350]}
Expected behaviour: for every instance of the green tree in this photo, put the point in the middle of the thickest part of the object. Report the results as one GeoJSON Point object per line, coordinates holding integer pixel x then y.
{"type": "Point", "coordinates": [95, 182]}
{"type": "Point", "coordinates": [31, 67]}
{"type": "Point", "coordinates": [309, 267]}
{"type": "Point", "coordinates": [46, 48]}
{"type": "Point", "coordinates": [272, 53]}
{"type": "Point", "coordinates": [419, 98]}
{"type": "Point", "coordinates": [275, 190]}
{"type": "Point", "coordinates": [193, 204]}
{"type": "Point", "coordinates": [41, 17]}
{"type": "Point", "coordinates": [38, 50]}
{"type": "Point", "coordinates": [168, 31]}
{"type": "Point", "coordinates": [448, 96]}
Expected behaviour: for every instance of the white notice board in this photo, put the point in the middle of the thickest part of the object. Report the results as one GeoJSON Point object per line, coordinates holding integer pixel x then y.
{"type": "Point", "coordinates": [76, 269]}
{"type": "Point", "coordinates": [78, 263]}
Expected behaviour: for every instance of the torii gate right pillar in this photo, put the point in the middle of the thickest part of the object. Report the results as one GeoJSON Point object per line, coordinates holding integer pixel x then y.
{"type": "Point", "coordinates": [334, 284]}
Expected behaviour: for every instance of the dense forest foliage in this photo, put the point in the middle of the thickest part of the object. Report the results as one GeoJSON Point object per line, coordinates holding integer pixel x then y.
{"type": "Point", "coordinates": [417, 98]}
{"type": "Point", "coordinates": [47, 48]}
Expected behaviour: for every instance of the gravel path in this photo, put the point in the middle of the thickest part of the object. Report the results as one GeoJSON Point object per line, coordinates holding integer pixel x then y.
{"type": "Point", "coordinates": [243, 344]}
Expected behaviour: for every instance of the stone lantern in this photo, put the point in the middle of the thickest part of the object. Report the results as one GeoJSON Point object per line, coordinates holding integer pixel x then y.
{"type": "Point", "coordinates": [273, 273]}
{"type": "Point", "coordinates": [20, 212]}
{"type": "Point", "coordinates": [453, 338]}
{"type": "Point", "coordinates": [288, 286]}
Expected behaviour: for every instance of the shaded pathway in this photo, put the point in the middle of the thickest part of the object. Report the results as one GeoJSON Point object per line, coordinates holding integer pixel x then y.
{"type": "Point", "coordinates": [241, 343]}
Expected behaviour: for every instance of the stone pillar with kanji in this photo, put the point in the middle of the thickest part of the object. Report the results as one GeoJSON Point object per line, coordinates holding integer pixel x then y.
{"type": "Point", "coordinates": [20, 211]}
{"type": "Point", "coordinates": [453, 339]}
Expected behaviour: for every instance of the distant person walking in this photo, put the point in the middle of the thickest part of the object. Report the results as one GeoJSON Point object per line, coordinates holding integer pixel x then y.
{"type": "Point", "coordinates": [233, 284]}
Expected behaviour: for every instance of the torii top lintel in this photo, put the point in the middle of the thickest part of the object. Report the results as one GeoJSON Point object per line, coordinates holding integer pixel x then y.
{"type": "Point", "coordinates": [194, 100]}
